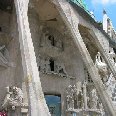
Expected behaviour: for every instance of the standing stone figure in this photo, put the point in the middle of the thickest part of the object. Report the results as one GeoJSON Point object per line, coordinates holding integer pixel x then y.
{"type": "Point", "coordinates": [75, 96]}
{"type": "Point", "coordinates": [80, 100]}
{"type": "Point", "coordinates": [70, 97]}
{"type": "Point", "coordinates": [93, 99]}
{"type": "Point", "coordinates": [101, 109]}
{"type": "Point", "coordinates": [61, 70]}
{"type": "Point", "coordinates": [79, 95]}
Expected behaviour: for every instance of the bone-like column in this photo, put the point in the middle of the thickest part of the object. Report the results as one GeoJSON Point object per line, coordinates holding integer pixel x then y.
{"type": "Point", "coordinates": [37, 104]}
{"type": "Point", "coordinates": [72, 21]}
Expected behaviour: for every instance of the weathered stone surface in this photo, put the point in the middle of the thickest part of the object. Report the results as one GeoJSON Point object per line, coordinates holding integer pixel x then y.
{"type": "Point", "coordinates": [45, 25]}
{"type": "Point", "coordinates": [72, 22]}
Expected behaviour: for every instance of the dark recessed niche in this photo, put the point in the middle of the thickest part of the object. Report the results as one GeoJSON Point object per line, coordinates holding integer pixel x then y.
{"type": "Point", "coordinates": [54, 19]}
{"type": "Point", "coordinates": [0, 29]}
{"type": "Point", "coordinates": [51, 38]}
{"type": "Point", "coordinates": [6, 5]}
{"type": "Point", "coordinates": [114, 50]}
{"type": "Point", "coordinates": [51, 64]}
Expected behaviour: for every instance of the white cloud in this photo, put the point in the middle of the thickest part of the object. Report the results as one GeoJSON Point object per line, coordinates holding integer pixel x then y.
{"type": "Point", "coordinates": [104, 2]}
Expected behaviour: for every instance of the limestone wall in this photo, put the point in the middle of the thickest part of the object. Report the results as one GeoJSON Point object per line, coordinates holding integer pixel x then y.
{"type": "Point", "coordinates": [69, 56]}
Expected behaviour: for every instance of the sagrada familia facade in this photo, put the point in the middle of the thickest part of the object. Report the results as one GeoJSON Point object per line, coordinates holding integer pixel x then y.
{"type": "Point", "coordinates": [56, 59]}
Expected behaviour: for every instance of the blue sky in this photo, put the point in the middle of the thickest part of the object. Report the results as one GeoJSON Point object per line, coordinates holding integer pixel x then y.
{"type": "Point", "coordinates": [97, 7]}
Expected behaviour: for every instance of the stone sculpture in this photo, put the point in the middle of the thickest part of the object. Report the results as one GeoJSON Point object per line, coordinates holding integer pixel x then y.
{"type": "Point", "coordinates": [80, 100]}
{"type": "Point", "coordinates": [102, 67]}
{"type": "Point", "coordinates": [107, 76]}
{"type": "Point", "coordinates": [93, 99]}
{"type": "Point", "coordinates": [71, 90]}
{"type": "Point", "coordinates": [52, 39]}
{"type": "Point", "coordinates": [85, 100]}
{"type": "Point", "coordinates": [54, 67]}
{"type": "Point", "coordinates": [61, 70]}
{"type": "Point", "coordinates": [74, 94]}
{"type": "Point", "coordinates": [14, 97]}
{"type": "Point", "coordinates": [112, 55]}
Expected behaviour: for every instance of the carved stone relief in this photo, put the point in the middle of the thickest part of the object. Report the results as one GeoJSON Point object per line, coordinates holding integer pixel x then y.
{"type": "Point", "coordinates": [93, 99]}
{"type": "Point", "coordinates": [51, 39]}
{"type": "Point", "coordinates": [74, 94]}
{"type": "Point", "coordinates": [51, 66]}
{"type": "Point", "coordinates": [105, 74]}
{"type": "Point", "coordinates": [71, 96]}
{"type": "Point", "coordinates": [14, 98]}
{"type": "Point", "coordinates": [102, 67]}
{"type": "Point", "coordinates": [79, 98]}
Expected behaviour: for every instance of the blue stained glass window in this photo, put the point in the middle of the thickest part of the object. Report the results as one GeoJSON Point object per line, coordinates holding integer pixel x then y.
{"type": "Point", "coordinates": [54, 104]}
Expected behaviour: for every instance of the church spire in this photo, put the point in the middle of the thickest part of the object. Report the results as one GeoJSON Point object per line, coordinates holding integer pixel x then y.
{"type": "Point", "coordinates": [104, 11]}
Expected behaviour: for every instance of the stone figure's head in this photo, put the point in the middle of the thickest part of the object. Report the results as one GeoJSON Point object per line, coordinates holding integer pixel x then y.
{"type": "Point", "coordinates": [7, 89]}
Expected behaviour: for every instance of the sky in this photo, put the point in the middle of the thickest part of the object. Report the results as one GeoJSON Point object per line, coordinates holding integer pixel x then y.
{"type": "Point", "coordinates": [97, 7]}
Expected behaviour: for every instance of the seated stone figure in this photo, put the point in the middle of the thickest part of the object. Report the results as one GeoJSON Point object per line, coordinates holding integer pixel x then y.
{"type": "Point", "coordinates": [14, 97]}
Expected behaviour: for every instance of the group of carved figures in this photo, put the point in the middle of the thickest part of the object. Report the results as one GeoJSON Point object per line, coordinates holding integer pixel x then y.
{"type": "Point", "coordinates": [51, 66]}
{"type": "Point", "coordinates": [14, 98]}
{"type": "Point", "coordinates": [102, 66]}
{"type": "Point", "coordinates": [105, 74]}
{"type": "Point", "coordinates": [78, 97]}
{"type": "Point", "coordinates": [83, 97]}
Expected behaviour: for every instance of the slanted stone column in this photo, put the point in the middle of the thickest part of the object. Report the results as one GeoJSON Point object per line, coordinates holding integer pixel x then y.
{"type": "Point", "coordinates": [72, 22]}
{"type": "Point", "coordinates": [37, 104]}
